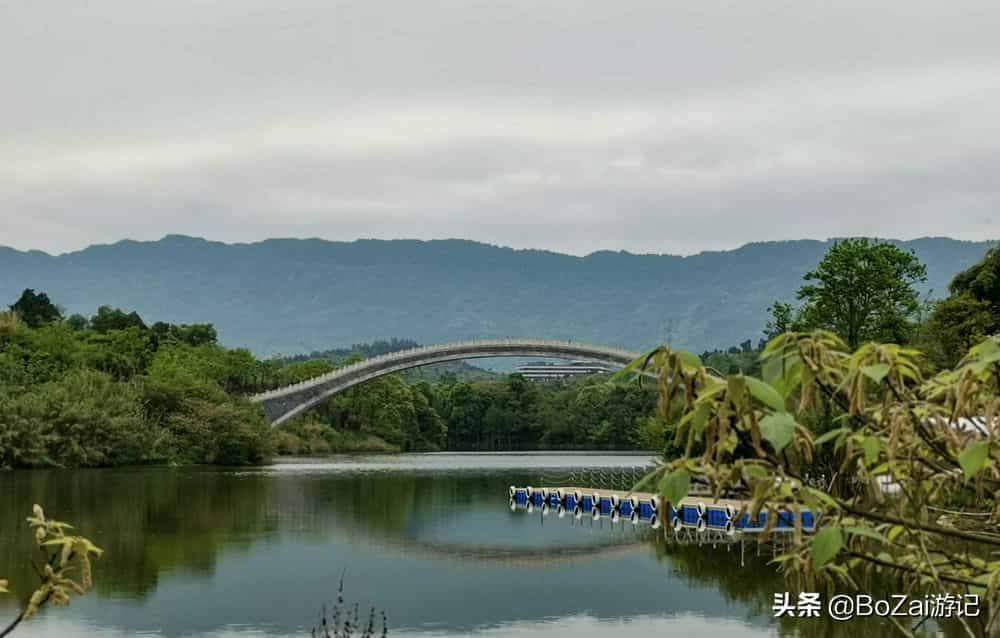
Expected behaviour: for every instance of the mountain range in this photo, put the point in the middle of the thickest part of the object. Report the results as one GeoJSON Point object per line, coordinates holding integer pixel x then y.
{"type": "Point", "coordinates": [291, 296]}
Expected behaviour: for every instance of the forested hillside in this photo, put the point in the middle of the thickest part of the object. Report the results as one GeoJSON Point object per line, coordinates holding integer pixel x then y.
{"type": "Point", "coordinates": [289, 297]}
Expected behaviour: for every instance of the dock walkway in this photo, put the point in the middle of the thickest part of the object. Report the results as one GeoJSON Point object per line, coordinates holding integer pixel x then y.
{"type": "Point", "coordinates": [701, 513]}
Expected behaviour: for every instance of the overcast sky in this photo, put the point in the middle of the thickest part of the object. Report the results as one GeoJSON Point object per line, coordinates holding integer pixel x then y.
{"type": "Point", "coordinates": [571, 125]}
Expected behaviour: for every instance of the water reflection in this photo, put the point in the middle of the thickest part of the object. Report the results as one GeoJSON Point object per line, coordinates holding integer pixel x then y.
{"type": "Point", "coordinates": [429, 539]}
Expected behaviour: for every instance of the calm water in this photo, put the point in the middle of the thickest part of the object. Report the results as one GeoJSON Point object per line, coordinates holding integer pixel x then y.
{"type": "Point", "coordinates": [430, 539]}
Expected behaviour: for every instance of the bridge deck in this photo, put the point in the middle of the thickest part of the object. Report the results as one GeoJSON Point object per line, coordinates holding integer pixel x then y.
{"type": "Point", "coordinates": [285, 403]}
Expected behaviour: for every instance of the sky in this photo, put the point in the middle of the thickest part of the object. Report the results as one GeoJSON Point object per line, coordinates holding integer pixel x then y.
{"type": "Point", "coordinates": [579, 125]}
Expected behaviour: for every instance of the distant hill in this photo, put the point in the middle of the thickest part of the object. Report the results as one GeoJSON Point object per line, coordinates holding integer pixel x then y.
{"type": "Point", "coordinates": [287, 296]}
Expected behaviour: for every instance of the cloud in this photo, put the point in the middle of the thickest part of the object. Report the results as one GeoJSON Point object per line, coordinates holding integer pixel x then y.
{"type": "Point", "coordinates": [654, 127]}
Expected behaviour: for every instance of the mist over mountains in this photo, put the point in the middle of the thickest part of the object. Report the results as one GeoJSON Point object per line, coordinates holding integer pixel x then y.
{"type": "Point", "coordinates": [290, 296]}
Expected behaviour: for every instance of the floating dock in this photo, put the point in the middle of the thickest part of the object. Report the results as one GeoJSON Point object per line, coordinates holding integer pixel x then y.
{"type": "Point", "coordinates": [698, 513]}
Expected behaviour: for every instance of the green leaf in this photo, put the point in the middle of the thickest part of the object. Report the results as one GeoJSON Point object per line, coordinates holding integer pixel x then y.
{"type": "Point", "coordinates": [782, 374]}
{"type": "Point", "coordinates": [829, 436]}
{"type": "Point", "coordinates": [871, 445]}
{"type": "Point", "coordinates": [867, 533]}
{"type": "Point", "coordinates": [710, 392]}
{"type": "Point", "coordinates": [755, 472]}
{"type": "Point", "coordinates": [689, 359]}
{"type": "Point", "coordinates": [973, 458]}
{"type": "Point", "coordinates": [895, 532]}
{"type": "Point", "coordinates": [674, 486]}
{"type": "Point", "coordinates": [764, 393]}
{"type": "Point", "coordinates": [777, 429]}
{"type": "Point", "coordinates": [736, 385]}
{"type": "Point", "coordinates": [700, 420]}
{"type": "Point", "coordinates": [825, 546]}
{"type": "Point", "coordinates": [876, 371]}
{"type": "Point", "coordinates": [823, 496]}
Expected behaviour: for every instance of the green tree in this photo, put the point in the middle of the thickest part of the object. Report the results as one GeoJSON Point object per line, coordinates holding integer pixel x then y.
{"type": "Point", "coordinates": [981, 281]}
{"type": "Point", "coordinates": [969, 314]}
{"type": "Point", "coordinates": [84, 419]}
{"type": "Point", "coordinates": [224, 433]}
{"type": "Point", "coordinates": [781, 321]}
{"type": "Point", "coordinates": [36, 308]}
{"type": "Point", "coordinates": [108, 319]}
{"type": "Point", "coordinates": [892, 422]}
{"type": "Point", "coordinates": [863, 290]}
{"type": "Point", "coordinates": [77, 322]}
{"type": "Point", "coordinates": [195, 334]}
{"type": "Point", "coordinates": [121, 353]}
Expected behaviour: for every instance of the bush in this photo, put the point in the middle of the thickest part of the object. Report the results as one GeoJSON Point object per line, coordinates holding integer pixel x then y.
{"type": "Point", "coordinates": [83, 419]}
{"type": "Point", "coordinates": [230, 433]}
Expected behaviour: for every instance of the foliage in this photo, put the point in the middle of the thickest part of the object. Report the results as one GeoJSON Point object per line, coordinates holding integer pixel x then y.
{"type": "Point", "coordinates": [516, 414]}
{"type": "Point", "coordinates": [123, 353]}
{"type": "Point", "coordinates": [971, 313]}
{"type": "Point", "coordinates": [35, 308]}
{"type": "Point", "coordinates": [108, 319]}
{"type": "Point", "coordinates": [391, 410]}
{"type": "Point", "coordinates": [223, 433]}
{"type": "Point", "coordinates": [746, 437]}
{"type": "Point", "coordinates": [782, 320]}
{"type": "Point", "coordinates": [981, 281]}
{"type": "Point", "coordinates": [861, 291]}
{"type": "Point", "coordinates": [198, 334]}
{"type": "Point", "coordinates": [113, 392]}
{"type": "Point", "coordinates": [956, 324]}
{"type": "Point", "coordinates": [66, 566]}
{"type": "Point", "coordinates": [308, 436]}
{"type": "Point", "coordinates": [365, 350]}
{"type": "Point", "coordinates": [84, 418]}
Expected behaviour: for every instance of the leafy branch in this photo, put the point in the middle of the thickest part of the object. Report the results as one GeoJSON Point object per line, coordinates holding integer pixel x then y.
{"type": "Point", "coordinates": [65, 567]}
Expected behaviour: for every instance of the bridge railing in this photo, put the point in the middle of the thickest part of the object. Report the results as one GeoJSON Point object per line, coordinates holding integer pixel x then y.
{"type": "Point", "coordinates": [379, 360]}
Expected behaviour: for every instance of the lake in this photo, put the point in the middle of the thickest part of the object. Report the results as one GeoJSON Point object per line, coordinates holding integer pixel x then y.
{"type": "Point", "coordinates": [429, 539]}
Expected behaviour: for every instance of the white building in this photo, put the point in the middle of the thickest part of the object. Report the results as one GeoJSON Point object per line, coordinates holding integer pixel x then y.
{"type": "Point", "coordinates": [562, 370]}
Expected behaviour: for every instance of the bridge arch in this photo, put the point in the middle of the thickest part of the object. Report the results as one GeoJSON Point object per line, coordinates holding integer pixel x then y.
{"type": "Point", "coordinates": [285, 403]}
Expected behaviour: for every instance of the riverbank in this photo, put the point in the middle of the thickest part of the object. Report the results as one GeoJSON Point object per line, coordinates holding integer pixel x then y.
{"type": "Point", "coordinates": [329, 441]}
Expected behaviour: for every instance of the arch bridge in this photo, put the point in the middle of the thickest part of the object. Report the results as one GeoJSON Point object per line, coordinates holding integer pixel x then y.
{"type": "Point", "coordinates": [285, 403]}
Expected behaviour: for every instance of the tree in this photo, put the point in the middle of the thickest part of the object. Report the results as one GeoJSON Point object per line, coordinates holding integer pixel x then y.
{"type": "Point", "coordinates": [121, 353]}
{"type": "Point", "coordinates": [862, 291]}
{"type": "Point", "coordinates": [84, 419]}
{"type": "Point", "coordinates": [77, 322]}
{"type": "Point", "coordinates": [195, 334]}
{"type": "Point", "coordinates": [781, 321]}
{"type": "Point", "coordinates": [892, 422]}
{"type": "Point", "coordinates": [108, 319]}
{"type": "Point", "coordinates": [36, 308]}
{"type": "Point", "coordinates": [956, 324]}
{"type": "Point", "coordinates": [981, 281]}
{"type": "Point", "coordinates": [969, 314]}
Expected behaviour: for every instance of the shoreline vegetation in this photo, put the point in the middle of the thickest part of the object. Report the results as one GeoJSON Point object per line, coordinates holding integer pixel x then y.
{"type": "Point", "coordinates": [111, 390]}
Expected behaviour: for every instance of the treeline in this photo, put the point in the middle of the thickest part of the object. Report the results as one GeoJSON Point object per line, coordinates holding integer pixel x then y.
{"type": "Point", "coordinates": [510, 413]}
{"type": "Point", "coordinates": [865, 290]}
{"type": "Point", "coordinates": [365, 350]}
{"type": "Point", "coordinates": [110, 390]}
